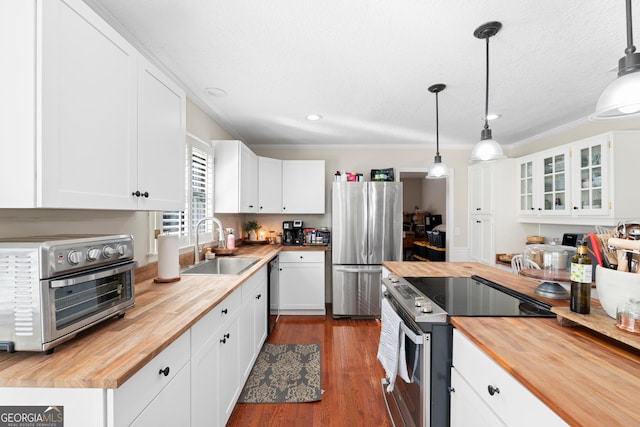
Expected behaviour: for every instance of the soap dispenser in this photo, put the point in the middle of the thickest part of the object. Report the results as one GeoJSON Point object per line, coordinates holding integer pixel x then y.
{"type": "Point", "coordinates": [231, 239]}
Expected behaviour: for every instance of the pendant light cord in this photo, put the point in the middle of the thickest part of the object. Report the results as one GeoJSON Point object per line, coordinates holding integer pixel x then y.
{"type": "Point", "coordinates": [486, 97]}
{"type": "Point", "coordinates": [630, 47]}
{"type": "Point", "coordinates": [437, 128]}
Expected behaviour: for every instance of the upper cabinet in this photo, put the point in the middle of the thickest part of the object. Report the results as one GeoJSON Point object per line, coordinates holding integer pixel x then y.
{"type": "Point", "coordinates": [246, 183]}
{"type": "Point", "coordinates": [303, 186]}
{"type": "Point", "coordinates": [94, 125]}
{"type": "Point", "coordinates": [544, 184]}
{"type": "Point", "coordinates": [236, 178]}
{"type": "Point", "coordinates": [577, 183]}
{"type": "Point", "coordinates": [269, 185]}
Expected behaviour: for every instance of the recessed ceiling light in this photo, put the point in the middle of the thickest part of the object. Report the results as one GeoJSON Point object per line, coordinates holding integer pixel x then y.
{"type": "Point", "coordinates": [216, 91]}
{"type": "Point", "coordinates": [493, 116]}
{"type": "Point", "coordinates": [314, 117]}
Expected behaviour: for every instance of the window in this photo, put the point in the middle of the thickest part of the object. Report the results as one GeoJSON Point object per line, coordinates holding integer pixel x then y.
{"type": "Point", "coordinates": [199, 194]}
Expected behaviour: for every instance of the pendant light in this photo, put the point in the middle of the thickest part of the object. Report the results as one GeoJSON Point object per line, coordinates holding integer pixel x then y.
{"type": "Point", "coordinates": [437, 169]}
{"type": "Point", "coordinates": [622, 97]}
{"type": "Point", "coordinates": [487, 149]}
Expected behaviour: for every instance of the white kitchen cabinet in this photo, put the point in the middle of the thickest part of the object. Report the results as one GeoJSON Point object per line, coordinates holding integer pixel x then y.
{"type": "Point", "coordinates": [481, 387]}
{"type": "Point", "coordinates": [303, 186]}
{"type": "Point", "coordinates": [76, 100]}
{"type": "Point", "coordinates": [467, 408]}
{"type": "Point", "coordinates": [492, 208]}
{"type": "Point", "coordinates": [161, 140]}
{"type": "Point", "coordinates": [269, 185]}
{"type": "Point", "coordinates": [164, 379]}
{"type": "Point", "coordinates": [544, 184]}
{"type": "Point", "coordinates": [584, 182]}
{"type": "Point", "coordinates": [236, 178]}
{"type": "Point", "coordinates": [253, 320]}
{"type": "Point", "coordinates": [215, 366]}
{"type": "Point", "coordinates": [302, 277]}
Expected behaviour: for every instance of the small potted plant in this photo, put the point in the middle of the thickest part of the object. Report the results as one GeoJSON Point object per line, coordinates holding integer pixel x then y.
{"type": "Point", "coordinates": [251, 228]}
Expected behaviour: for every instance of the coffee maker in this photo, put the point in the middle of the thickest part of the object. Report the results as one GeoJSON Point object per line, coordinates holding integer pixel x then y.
{"type": "Point", "coordinates": [293, 234]}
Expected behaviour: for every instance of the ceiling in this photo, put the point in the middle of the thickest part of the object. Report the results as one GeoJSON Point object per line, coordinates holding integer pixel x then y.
{"type": "Point", "coordinates": [365, 66]}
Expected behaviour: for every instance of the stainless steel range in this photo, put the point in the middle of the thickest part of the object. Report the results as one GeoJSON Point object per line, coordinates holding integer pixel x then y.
{"type": "Point", "coordinates": [424, 306]}
{"type": "Point", "coordinates": [52, 287]}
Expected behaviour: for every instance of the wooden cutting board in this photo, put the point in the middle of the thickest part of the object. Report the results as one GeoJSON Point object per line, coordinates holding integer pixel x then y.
{"type": "Point", "coordinates": [599, 321]}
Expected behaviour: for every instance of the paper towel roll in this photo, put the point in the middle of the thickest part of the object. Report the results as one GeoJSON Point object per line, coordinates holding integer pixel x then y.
{"type": "Point", "coordinates": [168, 262]}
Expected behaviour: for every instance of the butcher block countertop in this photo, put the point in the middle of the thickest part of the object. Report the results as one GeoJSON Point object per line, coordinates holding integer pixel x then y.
{"type": "Point", "coordinates": [586, 378]}
{"type": "Point", "coordinates": [108, 354]}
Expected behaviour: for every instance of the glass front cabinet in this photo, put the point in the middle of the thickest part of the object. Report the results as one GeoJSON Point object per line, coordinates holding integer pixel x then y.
{"type": "Point", "coordinates": [577, 183]}
{"type": "Point", "coordinates": [544, 184]}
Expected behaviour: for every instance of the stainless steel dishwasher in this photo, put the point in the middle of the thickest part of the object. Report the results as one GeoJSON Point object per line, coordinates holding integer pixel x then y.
{"type": "Point", "coordinates": [273, 293]}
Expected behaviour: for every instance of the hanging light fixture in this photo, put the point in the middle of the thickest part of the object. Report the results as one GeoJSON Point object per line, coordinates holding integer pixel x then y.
{"type": "Point", "coordinates": [487, 148]}
{"type": "Point", "coordinates": [622, 97]}
{"type": "Point", "coordinates": [437, 169]}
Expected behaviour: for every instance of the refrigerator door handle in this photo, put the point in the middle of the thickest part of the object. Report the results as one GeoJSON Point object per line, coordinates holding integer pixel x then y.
{"type": "Point", "coordinates": [358, 270]}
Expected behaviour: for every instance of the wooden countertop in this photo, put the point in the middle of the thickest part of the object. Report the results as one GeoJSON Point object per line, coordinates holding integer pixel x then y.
{"type": "Point", "coordinates": [587, 379]}
{"type": "Point", "coordinates": [108, 354]}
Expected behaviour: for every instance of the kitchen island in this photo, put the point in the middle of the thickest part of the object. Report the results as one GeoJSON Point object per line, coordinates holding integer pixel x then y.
{"type": "Point", "coordinates": [585, 378]}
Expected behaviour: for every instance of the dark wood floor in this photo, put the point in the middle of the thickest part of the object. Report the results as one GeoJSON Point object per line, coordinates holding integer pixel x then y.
{"type": "Point", "coordinates": [351, 376]}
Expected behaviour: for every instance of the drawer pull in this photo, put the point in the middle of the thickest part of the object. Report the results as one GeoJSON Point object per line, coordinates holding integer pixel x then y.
{"type": "Point", "coordinates": [493, 390]}
{"type": "Point", "coordinates": [164, 371]}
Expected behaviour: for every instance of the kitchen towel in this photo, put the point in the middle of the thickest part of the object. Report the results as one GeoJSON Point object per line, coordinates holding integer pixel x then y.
{"type": "Point", "coordinates": [389, 346]}
{"type": "Point", "coordinates": [168, 262]}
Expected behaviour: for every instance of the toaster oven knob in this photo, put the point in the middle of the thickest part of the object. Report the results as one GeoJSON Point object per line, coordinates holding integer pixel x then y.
{"type": "Point", "coordinates": [108, 251]}
{"type": "Point", "coordinates": [93, 254]}
{"type": "Point", "coordinates": [74, 257]}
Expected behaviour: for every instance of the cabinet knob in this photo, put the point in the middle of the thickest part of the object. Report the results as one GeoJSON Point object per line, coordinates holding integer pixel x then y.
{"type": "Point", "coordinates": [478, 209]}
{"type": "Point", "coordinates": [164, 371]}
{"type": "Point", "coordinates": [258, 296]}
{"type": "Point", "coordinates": [284, 207]}
{"type": "Point", "coordinates": [493, 390]}
{"type": "Point", "coordinates": [224, 339]}
{"type": "Point", "coordinates": [137, 193]}
{"type": "Point", "coordinates": [478, 221]}
{"type": "Point", "coordinates": [251, 206]}
{"type": "Point", "coordinates": [451, 389]}
{"type": "Point", "coordinates": [224, 311]}
{"type": "Point", "coordinates": [145, 194]}
{"type": "Point", "coordinates": [575, 207]}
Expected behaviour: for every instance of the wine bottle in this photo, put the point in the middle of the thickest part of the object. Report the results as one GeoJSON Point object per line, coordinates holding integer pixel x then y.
{"type": "Point", "coordinates": [581, 274]}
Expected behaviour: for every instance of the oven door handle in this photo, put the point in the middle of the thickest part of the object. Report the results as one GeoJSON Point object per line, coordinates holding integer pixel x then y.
{"type": "Point", "coordinates": [416, 338]}
{"type": "Point", "coordinates": [358, 270]}
{"type": "Point", "coordinates": [70, 281]}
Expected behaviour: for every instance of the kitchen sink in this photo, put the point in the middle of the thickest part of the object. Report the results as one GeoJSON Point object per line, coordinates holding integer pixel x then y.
{"type": "Point", "coordinates": [235, 265]}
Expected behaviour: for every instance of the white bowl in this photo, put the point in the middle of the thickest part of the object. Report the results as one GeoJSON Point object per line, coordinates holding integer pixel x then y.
{"type": "Point", "coordinates": [615, 288]}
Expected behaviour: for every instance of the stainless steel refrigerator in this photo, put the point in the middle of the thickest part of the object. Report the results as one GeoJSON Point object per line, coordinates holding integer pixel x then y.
{"type": "Point", "coordinates": [366, 229]}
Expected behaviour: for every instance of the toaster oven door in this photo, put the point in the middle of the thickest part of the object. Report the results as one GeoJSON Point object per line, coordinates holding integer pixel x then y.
{"type": "Point", "coordinates": [78, 301]}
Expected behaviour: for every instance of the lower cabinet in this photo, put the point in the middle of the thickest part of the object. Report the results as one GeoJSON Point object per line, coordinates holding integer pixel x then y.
{"type": "Point", "coordinates": [195, 381]}
{"type": "Point", "coordinates": [302, 278]}
{"type": "Point", "coordinates": [484, 394]}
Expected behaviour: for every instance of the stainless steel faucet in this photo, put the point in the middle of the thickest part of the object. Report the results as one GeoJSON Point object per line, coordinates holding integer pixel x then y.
{"type": "Point", "coordinates": [220, 235]}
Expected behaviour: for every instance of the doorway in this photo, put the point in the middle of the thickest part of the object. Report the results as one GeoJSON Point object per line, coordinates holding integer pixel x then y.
{"type": "Point", "coordinates": [426, 203]}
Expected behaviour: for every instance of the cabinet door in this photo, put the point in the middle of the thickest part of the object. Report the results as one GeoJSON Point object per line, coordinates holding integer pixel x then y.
{"type": "Point", "coordinates": [161, 140]}
{"type": "Point", "coordinates": [89, 113]}
{"type": "Point", "coordinates": [269, 185]}
{"type": "Point", "coordinates": [482, 236]}
{"type": "Point", "coordinates": [481, 188]}
{"type": "Point", "coordinates": [172, 407]}
{"type": "Point", "coordinates": [228, 378]}
{"type": "Point", "coordinates": [526, 190]}
{"type": "Point", "coordinates": [303, 186]}
{"type": "Point", "coordinates": [590, 176]}
{"type": "Point", "coordinates": [248, 180]}
{"type": "Point", "coordinates": [301, 286]}
{"type": "Point", "coordinates": [554, 187]}
{"type": "Point", "coordinates": [467, 409]}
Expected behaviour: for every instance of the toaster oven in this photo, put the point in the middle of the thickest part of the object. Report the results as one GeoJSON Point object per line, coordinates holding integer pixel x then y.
{"type": "Point", "coordinates": [52, 287]}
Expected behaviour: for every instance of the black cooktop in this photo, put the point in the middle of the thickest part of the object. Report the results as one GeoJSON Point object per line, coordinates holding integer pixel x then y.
{"type": "Point", "coordinates": [476, 296]}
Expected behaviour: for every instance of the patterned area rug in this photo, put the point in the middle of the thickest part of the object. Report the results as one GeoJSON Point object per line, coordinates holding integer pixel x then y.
{"type": "Point", "coordinates": [284, 373]}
